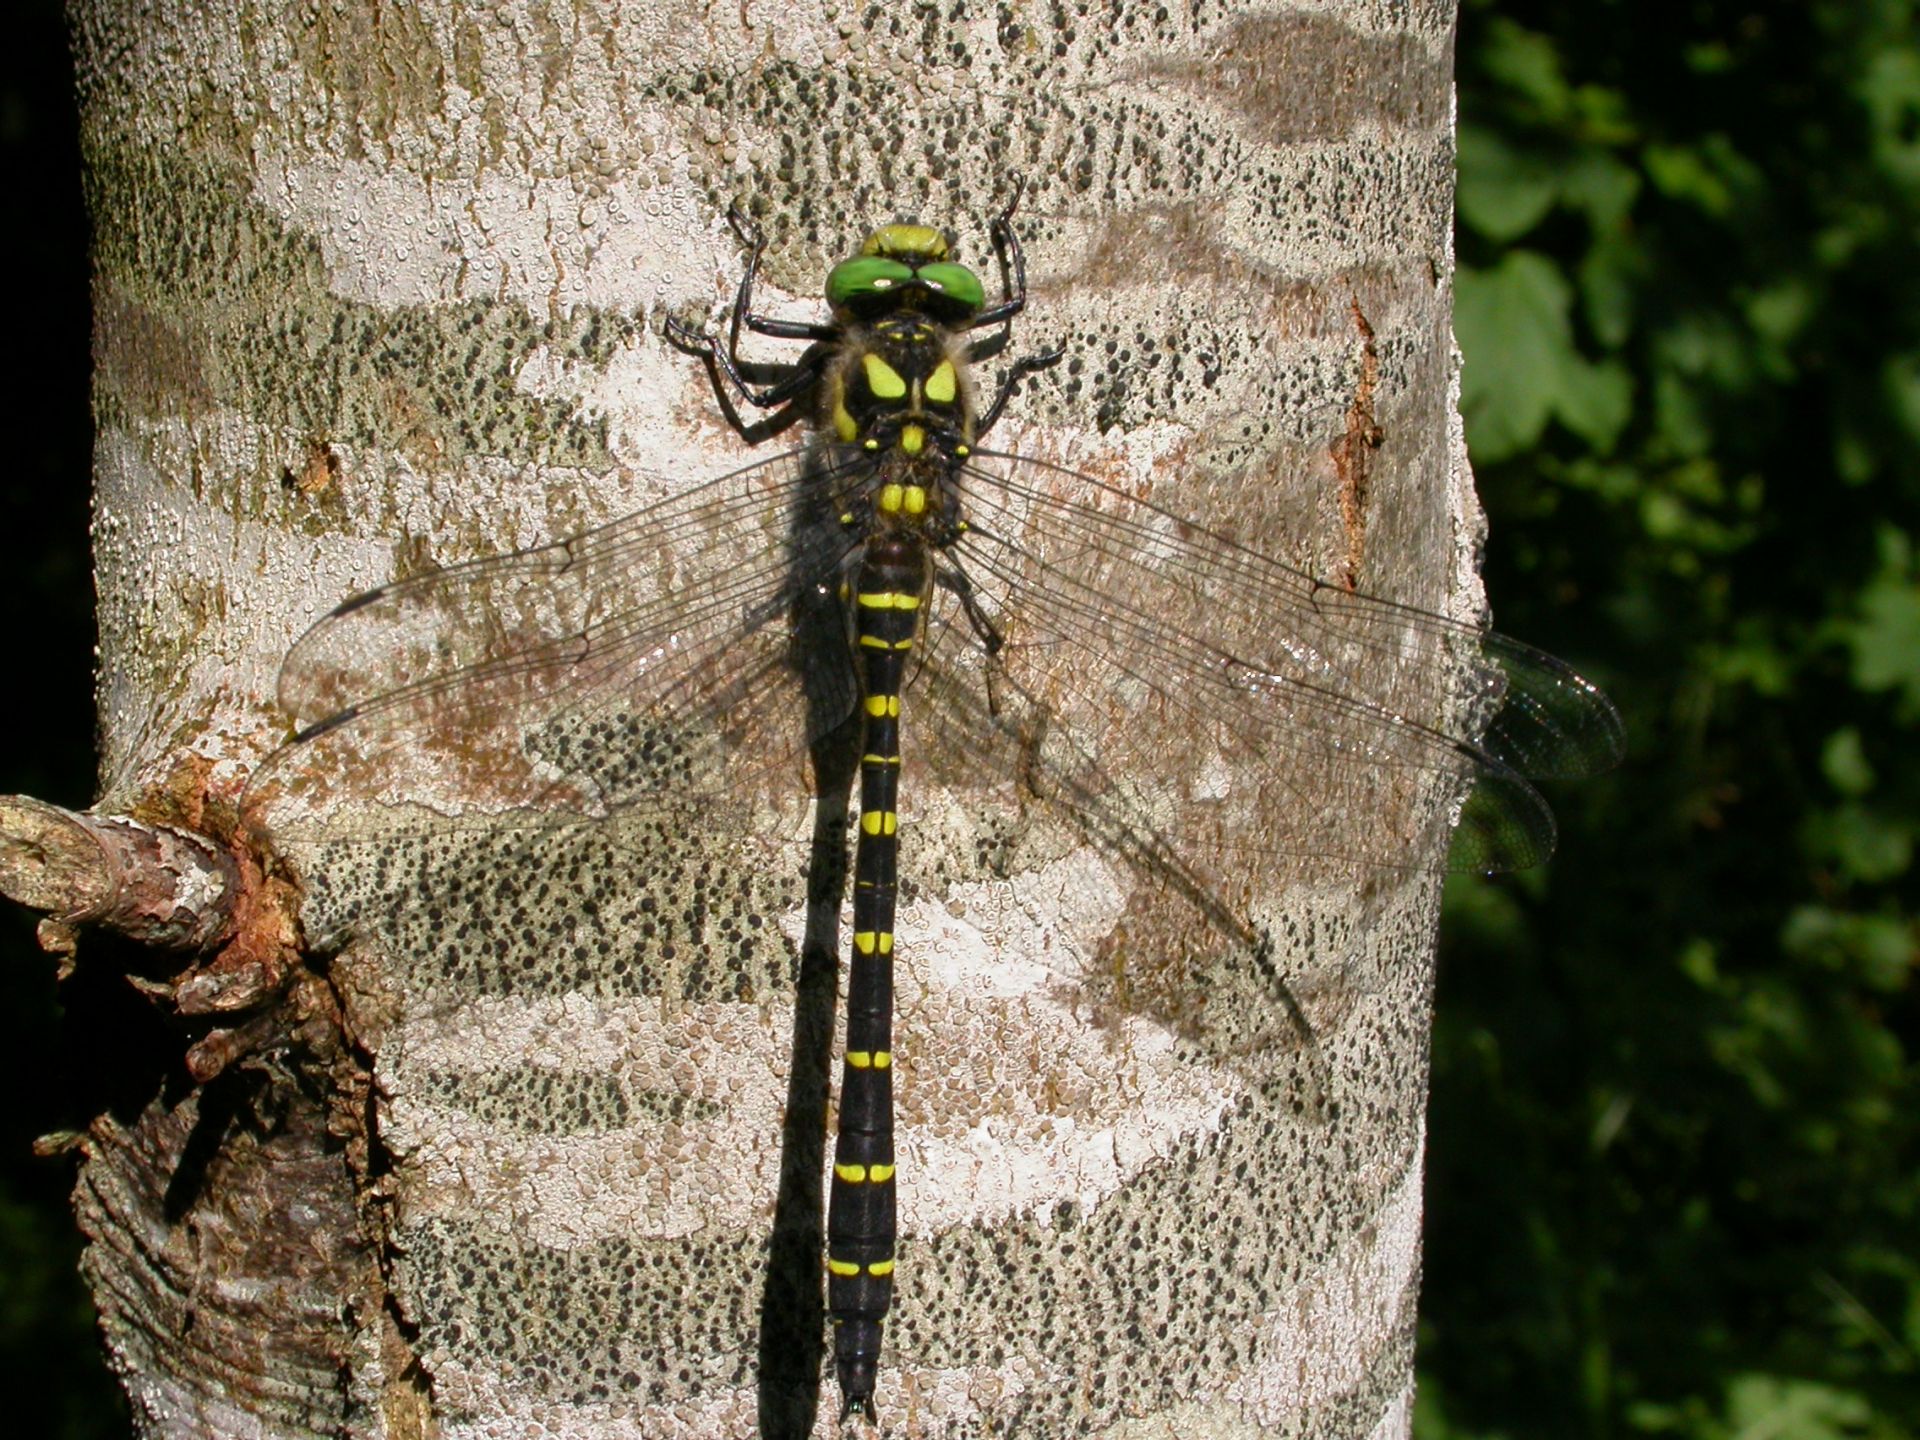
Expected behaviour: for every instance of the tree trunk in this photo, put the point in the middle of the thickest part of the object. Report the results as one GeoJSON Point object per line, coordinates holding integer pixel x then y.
{"type": "Point", "coordinates": [537, 1140]}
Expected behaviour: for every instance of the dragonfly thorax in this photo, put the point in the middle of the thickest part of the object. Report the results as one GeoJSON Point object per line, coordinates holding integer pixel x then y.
{"type": "Point", "coordinates": [899, 389]}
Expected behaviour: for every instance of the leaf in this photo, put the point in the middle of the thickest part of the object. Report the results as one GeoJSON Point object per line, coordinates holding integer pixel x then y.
{"type": "Point", "coordinates": [1890, 90]}
{"type": "Point", "coordinates": [1843, 760]}
{"type": "Point", "coordinates": [1602, 186]}
{"type": "Point", "coordinates": [1877, 950]}
{"type": "Point", "coordinates": [1867, 844]}
{"type": "Point", "coordinates": [1885, 634]}
{"type": "Point", "coordinates": [1900, 378]}
{"type": "Point", "coordinates": [1526, 63]}
{"type": "Point", "coordinates": [1610, 274]}
{"type": "Point", "coordinates": [1596, 401]}
{"type": "Point", "coordinates": [1682, 172]}
{"type": "Point", "coordinates": [1502, 192]}
{"type": "Point", "coordinates": [1784, 1408]}
{"type": "Point", "coordinates": [1520, 311]}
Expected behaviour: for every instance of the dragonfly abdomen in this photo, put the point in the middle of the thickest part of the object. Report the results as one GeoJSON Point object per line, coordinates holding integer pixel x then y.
{"type": "Point", "coordinates": [889, 591]}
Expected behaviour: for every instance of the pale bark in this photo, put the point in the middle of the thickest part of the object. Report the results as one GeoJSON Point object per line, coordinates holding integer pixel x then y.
{"type": "Point", "coordinates": [382, 285]}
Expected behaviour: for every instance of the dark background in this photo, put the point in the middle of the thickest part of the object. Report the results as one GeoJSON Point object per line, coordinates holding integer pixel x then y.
{"type": "Point", "coordinates": [1674, 1186]}
{"type": "Point", "coordinates": [55, 1381]}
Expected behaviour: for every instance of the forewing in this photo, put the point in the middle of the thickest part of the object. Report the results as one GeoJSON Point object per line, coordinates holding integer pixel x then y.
{"type": "Point", "coordinates": [650, 660]}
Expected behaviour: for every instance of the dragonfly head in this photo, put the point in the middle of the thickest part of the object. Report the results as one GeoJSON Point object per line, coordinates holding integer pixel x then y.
{"type": "Point", "coordinates": [904, 268]}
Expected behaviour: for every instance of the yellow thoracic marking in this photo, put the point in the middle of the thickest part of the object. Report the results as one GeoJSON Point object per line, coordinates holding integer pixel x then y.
{"type": "Point", "coordinates": [842, 1267]}
{"type": "Point", "coordinates": [844, 425]}
{"type": "Point", "coordinates": [942, 383]}
{"type": "Point", "coordinates": [914, 501]}
{"type": "Point", "coordinates": [879, 822]}
{"type": "Point", "coordinates": [880, 1174]}
{"type": "Point", "coordinates": [912, 439]}
{"type": "Point", "coordinates": [883, 705]}
{"type": "Point", "coordinates": [889, 600]}
{"type": "Point", "coordinates": [880, 1269]}
{"type": "Point", "coordinates": [852, 1174]}
{"type": "Point", "coordinates": [882, 378]}
{"type": "Point", "coordinates": [868, 941]}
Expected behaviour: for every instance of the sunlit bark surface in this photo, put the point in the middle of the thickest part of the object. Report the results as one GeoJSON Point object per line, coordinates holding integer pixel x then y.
{"type": "Point", "coordinates": [380, 287]}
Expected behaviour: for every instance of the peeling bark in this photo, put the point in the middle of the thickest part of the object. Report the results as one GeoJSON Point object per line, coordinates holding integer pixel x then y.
{"type": "Point", "coordinates": [155, 885]}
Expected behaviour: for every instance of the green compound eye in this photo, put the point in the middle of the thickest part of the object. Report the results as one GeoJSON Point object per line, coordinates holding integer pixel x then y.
{"type": "Point", "coordinates": [956, 282]}
{"type": "Point", "coordinates": [866, 276]}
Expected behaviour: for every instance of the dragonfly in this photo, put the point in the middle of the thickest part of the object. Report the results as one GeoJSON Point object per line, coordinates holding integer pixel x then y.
{"type": "Point", "coordinates": [961, 617]}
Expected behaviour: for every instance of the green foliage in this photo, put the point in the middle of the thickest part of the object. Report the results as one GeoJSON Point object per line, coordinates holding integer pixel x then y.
{"type": "Point", "coordinates": [1675, 1147]}
{"type": "Point", "coordinates": [1769, 1406]}
{"type": "Point", "coordinates": [56, 1379]}
{"type": "Point", "coordinates": [1521, 310]}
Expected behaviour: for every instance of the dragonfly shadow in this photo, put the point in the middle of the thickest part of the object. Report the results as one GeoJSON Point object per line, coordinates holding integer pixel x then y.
{"type": "Point", "coordinates": [792, 1303]}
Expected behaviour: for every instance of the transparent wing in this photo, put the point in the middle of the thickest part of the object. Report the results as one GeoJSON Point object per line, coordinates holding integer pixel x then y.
{"type": "Point", "coordinates": [1196, 698]}
{"type": "Point", "coordinates": [652, 658]}
{"type": "Point", "coordinates": [1186, 693]}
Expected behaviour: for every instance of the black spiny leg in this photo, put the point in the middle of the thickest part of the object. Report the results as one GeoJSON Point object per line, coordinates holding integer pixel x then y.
{"type": "Point", "coordinates": [1013, 270]}
{"type": "Point", "coordinates": [749, 232]}
{"type": "Point", "coordinates": [806, 370]}
{"type": "Point", "coordinates": [1013, 274]}
{"type": "Point", "coordinates": [1016, 372]}
{"type": "Point", "coordinates": [954, 580]}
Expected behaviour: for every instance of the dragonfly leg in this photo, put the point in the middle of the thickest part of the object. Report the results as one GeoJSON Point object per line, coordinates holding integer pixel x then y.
{"type": "Point", "coordinates": [1013, 270]}
{"type": "Point", "coordinates": [749, 232]}
{"type": "Point", "coordinates": [954, 580]}
{"type": "Point", "coordinates": [1016, 372]}
{"type": "Point", "coordinates": [805, 371]}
